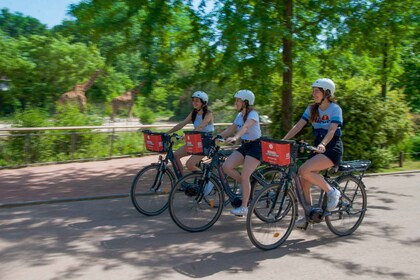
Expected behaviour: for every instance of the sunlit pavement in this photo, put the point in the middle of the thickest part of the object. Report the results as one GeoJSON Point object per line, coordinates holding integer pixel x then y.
{"type": "Point", "coordinates": [109, 239]}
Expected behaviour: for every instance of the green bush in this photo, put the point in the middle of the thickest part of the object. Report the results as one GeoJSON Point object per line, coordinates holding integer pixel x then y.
{"type": "Point", "coordinates": [29, 146]}
{"type": "Point", "coordinates": [416, 147]}
{"type": "Point", "coordinates": [147, 116]}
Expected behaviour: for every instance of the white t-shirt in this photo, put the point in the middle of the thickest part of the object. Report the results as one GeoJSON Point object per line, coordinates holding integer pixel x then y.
{"type": "Point", "coordinates": [254, 132]}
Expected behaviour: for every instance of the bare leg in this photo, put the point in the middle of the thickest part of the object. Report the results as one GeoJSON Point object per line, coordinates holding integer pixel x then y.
{"type": "Point", "coordinates": [180, 153]}
{"type": "Point", "coordinates": [249, 166]}
{"type": "Point", "coordinates": [309, 175]}
{"type": "Point", "coordinates": [192, 163]}
{"type": "Point", "coordinates": [233, 161]}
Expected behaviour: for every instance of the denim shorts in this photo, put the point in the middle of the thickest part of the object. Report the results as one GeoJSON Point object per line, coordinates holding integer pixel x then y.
{"type": "Point", "coordinates": [333, 150]}
{"type": "Point", "coordinates": [252, 149]}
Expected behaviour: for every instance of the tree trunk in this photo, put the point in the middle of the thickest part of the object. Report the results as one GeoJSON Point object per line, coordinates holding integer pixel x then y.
{"type": "Point", "coordinates": [384, 72]}
{"type": "Point", "coordinates": [287, 99]}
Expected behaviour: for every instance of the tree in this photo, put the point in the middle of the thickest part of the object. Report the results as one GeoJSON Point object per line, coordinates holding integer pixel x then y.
{"type": "Point", "coordinates": [365, 29]}
{"type": "Point", "coordinates": [15, 25]}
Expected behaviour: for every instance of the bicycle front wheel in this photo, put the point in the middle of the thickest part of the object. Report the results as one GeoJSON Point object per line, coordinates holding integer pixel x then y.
{"type": "Point", "coordinates": [193, 205]}
{"type": "Point", "coordinates": [271, 217]}
{"type": "Point", "coordinates": [351, 208]}
{"type": "Point", "coordinates": [150, 190]}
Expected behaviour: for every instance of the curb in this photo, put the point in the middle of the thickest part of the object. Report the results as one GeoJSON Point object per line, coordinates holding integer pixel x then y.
{"type": "Point", "coordinates": [391, 173]}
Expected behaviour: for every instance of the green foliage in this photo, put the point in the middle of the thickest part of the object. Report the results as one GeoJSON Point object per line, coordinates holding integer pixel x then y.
{"type": "Point", "coordinates": [16, 24]}
{"type": "Point", "coordinates": [176, 49]}
{"type": "Point", "coordinates": [372, 125]}
{"type": "Point", "coordinates": [416, 147]}
{"type": "Point", "coordinates": [28, 146]}
{"type": "Point", "coordinates": [147, 116]}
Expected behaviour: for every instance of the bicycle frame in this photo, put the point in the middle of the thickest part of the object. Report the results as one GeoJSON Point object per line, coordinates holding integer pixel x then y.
{"type": "Point", "coordinates": [170, 157]}
{"type": "Point", "coordinates": [222, 178]}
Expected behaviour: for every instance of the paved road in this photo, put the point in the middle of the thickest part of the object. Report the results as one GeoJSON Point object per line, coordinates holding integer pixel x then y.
{"type": "Point", "coordinates": [108, 239]}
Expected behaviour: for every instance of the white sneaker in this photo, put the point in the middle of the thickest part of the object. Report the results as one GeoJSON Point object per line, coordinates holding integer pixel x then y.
{"type": "Point", "coordinates": [333, 199]}
{"type": "Point", "coordinates": [240, 211]}
{"type": "Point", "coordinates": [208, 188]}
{"type": "Point", "coordinates": [300, 222]}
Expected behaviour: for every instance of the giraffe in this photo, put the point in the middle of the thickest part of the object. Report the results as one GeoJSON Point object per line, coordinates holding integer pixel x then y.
{"type": "Point", "coordinates": [125, 100]}
{"type": "Point", "coordinates": [78, 93]}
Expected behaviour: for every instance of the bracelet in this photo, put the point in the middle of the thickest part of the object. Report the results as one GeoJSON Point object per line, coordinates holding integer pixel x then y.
{"type": "Point", "coordinates": [323, 144]}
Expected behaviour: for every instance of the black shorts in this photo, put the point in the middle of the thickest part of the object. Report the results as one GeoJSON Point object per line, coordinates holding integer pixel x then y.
{"type": "Point", "coordinates": [333, 150]}
{"type": "Point", "coordinates": [252, 149]}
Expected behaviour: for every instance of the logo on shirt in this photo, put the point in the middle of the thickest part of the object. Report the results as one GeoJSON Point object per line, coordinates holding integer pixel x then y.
{"type": "Point", "coordinates": [325, 118]}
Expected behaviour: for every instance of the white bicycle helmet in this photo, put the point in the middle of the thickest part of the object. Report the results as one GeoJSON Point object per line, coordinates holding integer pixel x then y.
{"type": "Point", "coordinates": [202, 95]}
{"type": "Point", "coordinates": [325, 84]}
{"type": "Point", "coordinates": [245, 94]}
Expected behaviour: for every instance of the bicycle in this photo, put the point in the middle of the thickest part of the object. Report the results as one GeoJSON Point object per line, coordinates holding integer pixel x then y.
{"type": "Point", "coordinates": [194, 208]}
{"type": "Point", "coordinates": [151, 186]}
{"type": "Point", "coordinates": [272, 214]}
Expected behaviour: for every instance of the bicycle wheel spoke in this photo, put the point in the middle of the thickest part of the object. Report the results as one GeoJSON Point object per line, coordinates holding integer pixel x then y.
{"type": "Point", "coordinates": [190, 209]}
{"type": "Point", "coordinates": [352, 207]}
{"type": "Point", "coordinates": [150, 190]}
{"type": "Point", "coordinates": [270, 218]}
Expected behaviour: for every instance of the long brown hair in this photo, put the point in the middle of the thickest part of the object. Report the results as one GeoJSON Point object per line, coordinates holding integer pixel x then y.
{"type": "Point", "coordinates": [314, 113]}
{"type": "Point", "coordinates": [195, 112]}
{"type": "Point", "coordinates": [248, 109]}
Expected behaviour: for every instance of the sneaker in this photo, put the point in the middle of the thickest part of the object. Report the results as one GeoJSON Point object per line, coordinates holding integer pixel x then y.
{"type": "Point", "coordinates": [240, 211]}
{"type": "Point", "coordinates": [333, 199]}
{"type": "Point", "coordinates": [300, 222]}
{"type": "Point", "coordinates": [208, 188]}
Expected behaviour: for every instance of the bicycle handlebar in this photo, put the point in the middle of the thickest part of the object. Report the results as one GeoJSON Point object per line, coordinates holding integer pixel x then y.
{"type": "Point", "coordinates": [173, 135]}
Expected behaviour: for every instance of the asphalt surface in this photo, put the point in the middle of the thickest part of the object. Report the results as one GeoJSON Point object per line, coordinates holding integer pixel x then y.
{"type": "Point", "coordinates": [76, 221]}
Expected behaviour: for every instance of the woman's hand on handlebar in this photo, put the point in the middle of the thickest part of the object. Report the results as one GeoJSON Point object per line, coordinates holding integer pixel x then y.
{"type": "Point", "coordinates": [320, 149]}
{"type": "Point", "coordinates": [231, 140]}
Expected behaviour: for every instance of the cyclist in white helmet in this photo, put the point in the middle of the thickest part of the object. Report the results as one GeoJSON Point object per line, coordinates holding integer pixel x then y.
{"type": "Point", "coordinates": [326, 118]}
{"type": "Point", "coordinates": [246, 127]}
{"type": "Point", "coordinates": [202, 119]}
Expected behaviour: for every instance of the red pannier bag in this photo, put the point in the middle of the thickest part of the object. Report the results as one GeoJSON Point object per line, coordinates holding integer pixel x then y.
{"type": "Point", "coordinates": [156, 141]}
{"type": "Point", "coordinates": [276, 152]}
{"type": "Point", "coordinates": [198, 142]}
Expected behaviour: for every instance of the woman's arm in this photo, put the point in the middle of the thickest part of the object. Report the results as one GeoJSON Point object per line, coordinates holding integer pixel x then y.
{"type": "Point", "coordinates": [295, 129]}
{"type": "Point", "coordinates": [330, 134]}
{"type": "Point", "coordinates": [181, 124]}
{"type": "Point", "coordinates": [228, 131]}
{"type": "Point", "coordinates": [242, 131]}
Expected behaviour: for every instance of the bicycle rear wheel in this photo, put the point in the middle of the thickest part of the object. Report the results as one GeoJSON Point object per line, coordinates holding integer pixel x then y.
{"type": "Point", "coordinates": [150, 190]}
{"type": "Point", "coordinates": [271, 217]}
{"type": "Point", "coordinates": [189, 208]}
{"type": "Point", "coordinates": [351, 208]}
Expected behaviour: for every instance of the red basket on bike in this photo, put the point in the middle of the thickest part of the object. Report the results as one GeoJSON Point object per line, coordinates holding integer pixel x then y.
{"type": "Point", "coordinates": [198, 143]}
{"type": "Point", "coordinates": [156, 141]}
{"type": "Point", "coordinates": [276, 152]}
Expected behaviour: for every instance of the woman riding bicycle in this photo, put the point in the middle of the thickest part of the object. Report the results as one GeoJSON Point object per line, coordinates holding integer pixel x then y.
{"type": "Point", "coordinates": [202, 119]}
{"type": "Point", "coordinates": [247, 127]}
{"type": "Point", "coordinates": [327, 119]}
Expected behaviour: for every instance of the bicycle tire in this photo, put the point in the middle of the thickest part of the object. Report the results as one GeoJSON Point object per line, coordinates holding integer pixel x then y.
{"type": "Point", "coordinates": [351, 208]}
{"type": "Point", "coordinates": [279, 215]}
{"type": "Point", "coordinates": [148, 193]}
{"type": "Point", "coordinates": [190, 209]}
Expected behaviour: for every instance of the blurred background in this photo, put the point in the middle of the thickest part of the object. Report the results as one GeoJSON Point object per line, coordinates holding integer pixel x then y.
{"type": "Point", "coordinates": [108, 56]}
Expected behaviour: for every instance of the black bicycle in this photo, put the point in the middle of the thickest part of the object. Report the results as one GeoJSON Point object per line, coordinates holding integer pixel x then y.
{"type": "Point", "coordinates": [152, 184]}
{"type": "Point", "coordinates": [272, 214]}
{"type": "Point", "coordinates": [197, 199]}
